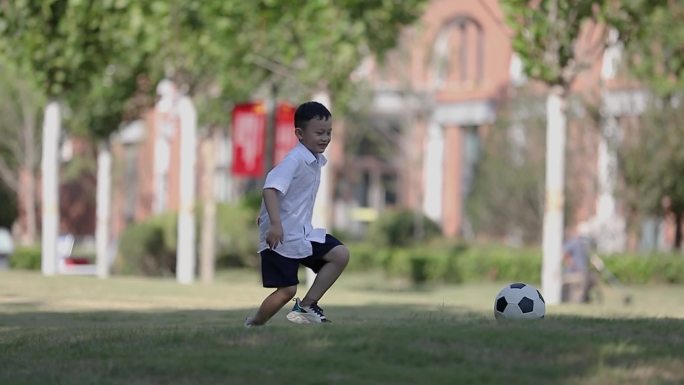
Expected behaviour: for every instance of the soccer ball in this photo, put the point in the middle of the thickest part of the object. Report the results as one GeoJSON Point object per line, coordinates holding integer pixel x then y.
{"type": "Point", "coordinates": [519, 301]}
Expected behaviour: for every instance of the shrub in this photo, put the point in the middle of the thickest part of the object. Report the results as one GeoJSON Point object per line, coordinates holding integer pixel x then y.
{"type": "Point", "coordinates": [149, 247]}
{"type": "Point", "coordinates": [364, 256]}
{"type": "Point", "coordinates": [445, 261]}
{"type": "Point", "coordinates": [397, 228]}
{"type": "Point", "coordinates": [651, 268]}
{"type": "Point", "coordinates": [26, 258]}
{"type": "Point", "coordinates": [237, 234]}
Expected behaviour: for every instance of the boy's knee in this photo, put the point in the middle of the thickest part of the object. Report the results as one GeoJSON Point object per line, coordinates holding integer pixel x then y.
{"type": "Point", "coordinates": [287, 293]}
{"type": "Point", "coordinates": [342, 255]}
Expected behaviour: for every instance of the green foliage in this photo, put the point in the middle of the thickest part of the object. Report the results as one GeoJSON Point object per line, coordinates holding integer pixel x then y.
{"type": "Point", "coordinates": [149, 247]}
{"type": "Point", "coordinates": [654, 56]}
{"type": "Point", "coordinates": [20, 111]}
{"type": "Point", "coordinates": [380, 20]}
{"type": "Point", "coordinates": [251, 201]}
{"type": "Point", "coordinates": [26, 258]}
{"type": "Point", "coordinates": [124, 86]}
{"type": "Point", "coordinates": [546, 32]}
{"type": "Point", "coordinates": [396, 228]}
{"type": "Point", "coordinates": [237, 234]}
{"type": "Point", "coordinates": [508, 191]}
{"type": "Point", "coordinates": [297, 55]}
{"type": "Point", "coordinates": [545, 35]}
{"type": "Point", "coordinates": [62, 43]}
{"type": "Point", "coordinates": [642, 269]}
{"type": "Point", "coordinates": [100, 55]}
{"type": "Point", "coordinates": [651, 157]}
{"type": "Point", "coordinates": [441, 261]}
{"type": "Point", "coordinates": [651, 160]}
{"type": "Point", "coordinates": [366, 256]}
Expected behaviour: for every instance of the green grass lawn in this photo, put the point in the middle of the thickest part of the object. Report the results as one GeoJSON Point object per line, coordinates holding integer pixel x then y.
{"type": "Point", "coordinates": [82, 330]}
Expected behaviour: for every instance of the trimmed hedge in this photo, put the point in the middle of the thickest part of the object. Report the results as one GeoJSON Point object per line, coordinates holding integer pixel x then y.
{"type": "Point", "coordinates": [26, 258]}
{"type": "Point", "coordinates": [456, 263]}
{"type": "Point", "coordinates": [649, 268]}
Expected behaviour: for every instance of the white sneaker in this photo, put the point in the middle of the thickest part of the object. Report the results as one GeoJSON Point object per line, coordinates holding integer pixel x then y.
{"type": "Point", "coordinates": [311, 314]}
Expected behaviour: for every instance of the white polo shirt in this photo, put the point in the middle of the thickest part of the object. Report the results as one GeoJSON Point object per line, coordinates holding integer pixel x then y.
{"type": "Point", "coordinates": [296, 178]}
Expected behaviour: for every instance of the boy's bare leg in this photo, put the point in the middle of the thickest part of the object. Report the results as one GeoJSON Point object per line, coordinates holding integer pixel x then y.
{"type": "Point", "coordinates": [273, 303]}
{"type": "Point", "coordinates": [337, 259]}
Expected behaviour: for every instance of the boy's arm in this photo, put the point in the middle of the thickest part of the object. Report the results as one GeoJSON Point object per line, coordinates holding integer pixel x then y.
{"type": "Point", "coordinates": [272, 203]}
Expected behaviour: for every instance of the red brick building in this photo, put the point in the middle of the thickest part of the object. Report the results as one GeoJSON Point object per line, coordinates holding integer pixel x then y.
{"type": "Point", "coordinates": [434, 98]}
{"type": "Point", "coordinates": [442, 88]}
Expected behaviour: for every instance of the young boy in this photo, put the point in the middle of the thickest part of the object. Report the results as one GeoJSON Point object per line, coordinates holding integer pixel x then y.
{"type": "Point", "coordinates": [286, 236]}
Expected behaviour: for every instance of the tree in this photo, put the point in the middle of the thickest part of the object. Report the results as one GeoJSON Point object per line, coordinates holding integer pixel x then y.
{"type": "Point", "coordinates": [216, 51]}
{"type": "Point", "coordinates": [20, 105]}
{"type": "Point", "coordinates": [651, 160]}
{"type": "Point", "coordinates": [278, 47]}
{"type": "Point", "coordinates": [651, 156]}
{"type": "Point", "coordinates": [61, 44]}
{"type": "Point", "coordinates": [507, 201]}
{"type": "Point", "coordinates": [119, 95]}
{"type": "Point", "coordinates": [556, 41]}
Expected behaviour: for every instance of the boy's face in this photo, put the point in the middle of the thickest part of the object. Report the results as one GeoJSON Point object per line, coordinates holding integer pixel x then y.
{"type": "Point", "coordinates": [316, 135]}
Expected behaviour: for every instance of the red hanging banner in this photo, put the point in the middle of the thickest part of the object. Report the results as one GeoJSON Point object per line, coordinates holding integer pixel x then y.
{"type": "Point", "coordinates": [285, 138]}
{"type": "Point", "coordinates": [249, 131]}
{"type": "Point", "coordinates": [249, 126]}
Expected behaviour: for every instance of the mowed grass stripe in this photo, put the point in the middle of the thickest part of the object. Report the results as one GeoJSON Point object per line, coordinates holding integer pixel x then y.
{"type": "Point", "coordinates": [81, 330]}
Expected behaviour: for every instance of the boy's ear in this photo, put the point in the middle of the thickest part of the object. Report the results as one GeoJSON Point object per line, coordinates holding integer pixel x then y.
{"type": "Point", "coordinates": [299, 133]}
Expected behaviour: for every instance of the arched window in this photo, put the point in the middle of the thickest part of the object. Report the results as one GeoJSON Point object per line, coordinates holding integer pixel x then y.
{"type": "Point", "coordinates": [457, 53]}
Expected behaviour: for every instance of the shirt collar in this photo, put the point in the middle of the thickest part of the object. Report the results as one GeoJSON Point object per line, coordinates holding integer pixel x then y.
{"type": "Point", "coordinates": [309, 157]}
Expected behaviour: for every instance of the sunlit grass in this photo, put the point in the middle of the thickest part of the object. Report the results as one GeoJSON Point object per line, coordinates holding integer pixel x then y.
{"type": "Point", "coordinates": [124, 330]}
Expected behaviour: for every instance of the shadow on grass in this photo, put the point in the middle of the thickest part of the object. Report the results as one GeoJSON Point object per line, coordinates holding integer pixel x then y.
{"type": "Point", "coordinates": [379, 344]}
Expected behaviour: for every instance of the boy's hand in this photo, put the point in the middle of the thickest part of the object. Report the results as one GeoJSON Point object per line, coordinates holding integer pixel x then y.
{"type": "Point", "coordinates": [274, 236]}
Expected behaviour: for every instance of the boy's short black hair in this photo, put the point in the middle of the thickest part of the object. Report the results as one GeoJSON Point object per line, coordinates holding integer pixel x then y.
{"type": "Point", "coordinates": [310, 110]}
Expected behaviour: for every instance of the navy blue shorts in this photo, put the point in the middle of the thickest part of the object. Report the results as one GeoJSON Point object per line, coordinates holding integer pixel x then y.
{"type": "Point", "coordinates": [278, 271]}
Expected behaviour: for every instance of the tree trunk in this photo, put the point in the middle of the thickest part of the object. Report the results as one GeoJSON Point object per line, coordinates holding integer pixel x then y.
{"type": "Point", "coordinates": [27, 200]}
{"type": "Point", "coordinates": [208, 246]}
{"type": "Point", "coordinates": [555, 197]}
{"type": "Point", "coordinates": [28, 176]}
{"type": "Point", "coordinates": [678, 230]}
{"type": "Point", "coordinates": [50, 190]}
{"type": "Point", "coordinates": [103, 201]}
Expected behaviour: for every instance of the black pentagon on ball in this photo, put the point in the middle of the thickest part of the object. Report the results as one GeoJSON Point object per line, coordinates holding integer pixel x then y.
{"type": "Point", "coordinates": [501, 304]}
{"type": "Point", "coordinates": [518, 285]}
{"type": "Point", "coordinates": [526, 305]}
{"type": "Point", "coordinates": [540, 296]}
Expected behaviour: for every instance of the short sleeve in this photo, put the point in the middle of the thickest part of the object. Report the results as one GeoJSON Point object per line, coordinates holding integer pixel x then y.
{"type": "Point", "coordinates": [281, 176]}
